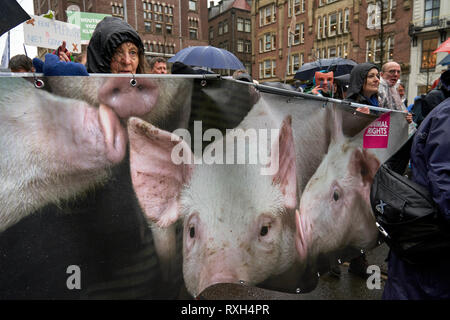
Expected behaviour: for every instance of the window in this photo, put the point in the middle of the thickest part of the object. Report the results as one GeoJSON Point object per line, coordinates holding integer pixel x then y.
{"type": "Point", "coordinates": [220, 28]}
{"type": "Point", "coordinates": [148, 26]}
{"type": "Point", "coordinates": [319, 27]}
{"type": "Point", "coordinates": [346, 20]}
{"type": "Point", "coordinates": [269, 42]}
{"type": "Point", "coordinates": [332, 25]}
{"type": "Point", "coordinates": [324, 53]}
{"type": "Point", "coordinates": [302, 33]}
{"type": "Point", "coordinates": [225, 26]}
{"type": "Point", "coordinates": [267, 15]}
{"type": "Point", "coordinates": [240, 24]}
{"type": "Point", "coordinates": [339, 51]}
{"type": "Point", "coordinates": [295, 58]}
{"type": "Point", "coordinates": [193, 5]}
{"type": "Point", "coordinates": [240, 45]}
{"type": "Point", "coordinates": [428, 57]}
{"type": "Point", "coordinates": [297, 7]}
{"type": "Point", "coordinates": [248, 24]}
{"type": "Point", "coordinates": [373, 49]}
{"type": "Point", "coordinates": [431, 12]}
{"type": "Point", "coordinates": [269, 68]}
{"type": "Point", "coordinates": [168, 29]}
{"type": "Point", "coordinates": [340, 23]}
{"type": "Point", "coordinates": [193, 34]}
{"type": "Point", "coordinates": [324, 20]}
{"type": "Point", "coordinates": [345, 53]}
{"type": "Point", "coordinates": [332, 52]}
{"type": "Point", "coordinates": [297, 34]}
{"type": "Point", "coordinates": [248, 46]}
{"type": "Point", "coordinates": [211, 32]}
{"type": "Point", "coordinates": [261, 46]}
{"type": "Point", "coordinates": [261, 70]}
{"type": "Point", "coordinates": [158, 28]}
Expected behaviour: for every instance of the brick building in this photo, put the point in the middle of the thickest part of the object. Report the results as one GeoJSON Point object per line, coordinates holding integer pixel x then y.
{"type": "Point", "coordinates": [324, 29]}
{"type": "Point", "coordinates": [165, 26]}
{"type": "Point", "coordinates": [430, 26]}
{"type": "Point", "coordinates": [230, 28]}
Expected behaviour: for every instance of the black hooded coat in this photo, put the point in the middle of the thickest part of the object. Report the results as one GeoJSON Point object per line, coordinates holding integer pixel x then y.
{"type": "Point", "coordinates": [357, 79]}
{"type": "Point", "coordinates": [110, 33]}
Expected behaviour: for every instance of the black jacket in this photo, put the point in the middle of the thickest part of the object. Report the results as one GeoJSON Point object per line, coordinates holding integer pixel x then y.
{"type": "Point", "coordinates": [110, 33]}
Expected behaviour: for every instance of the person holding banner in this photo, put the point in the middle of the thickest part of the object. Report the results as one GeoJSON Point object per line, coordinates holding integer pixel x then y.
{"type": "Point", "coordinates": [364, 82]}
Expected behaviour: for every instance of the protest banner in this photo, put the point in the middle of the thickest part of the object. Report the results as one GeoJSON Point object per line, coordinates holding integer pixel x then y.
{"type": "Point", "coordinates": [87, 21]}
{"type": "Point", "coordinates": [237, 183]}
{"type": "Point", "coordinates": [49, 33]}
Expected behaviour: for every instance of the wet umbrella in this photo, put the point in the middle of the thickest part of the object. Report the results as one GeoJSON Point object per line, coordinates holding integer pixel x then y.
{"type": "Point", "coordinates": [11, 15]}
{"type": "Point", "coordinates": [444, 47]}
{"type": "Point", "coordinates": [339, 66]}
{"type": "Point", "coordinates": [208, 56]}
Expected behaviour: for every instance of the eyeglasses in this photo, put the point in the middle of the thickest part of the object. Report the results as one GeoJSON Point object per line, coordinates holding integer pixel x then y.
{"type": "Point", "coordinates": [392, 72]}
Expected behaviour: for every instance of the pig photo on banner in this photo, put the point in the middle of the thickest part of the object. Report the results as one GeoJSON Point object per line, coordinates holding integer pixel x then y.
{"type": "Point", "coordinates": [161, 189]}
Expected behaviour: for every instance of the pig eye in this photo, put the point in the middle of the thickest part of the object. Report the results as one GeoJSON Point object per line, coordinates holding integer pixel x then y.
{"type": "Point", "coordinates": [264, 231]}
{"type": "Point", "coordinates": [335, 195]}
{"type": "Point", "coordinates": [191, 232]}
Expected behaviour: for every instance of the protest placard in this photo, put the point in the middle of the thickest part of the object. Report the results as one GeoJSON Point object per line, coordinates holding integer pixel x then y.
{"type": "Point", "coordinates": [48, 33]}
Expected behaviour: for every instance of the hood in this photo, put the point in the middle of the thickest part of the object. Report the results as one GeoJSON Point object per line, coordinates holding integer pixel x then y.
{"type": "Point", "coordinates": [358, 77]}
{"type": "Point", "coordinates": [110, 33]}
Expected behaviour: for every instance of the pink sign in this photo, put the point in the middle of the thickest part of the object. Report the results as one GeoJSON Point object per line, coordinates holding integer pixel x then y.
{"type": "Point", "coordinates": [377, 134]}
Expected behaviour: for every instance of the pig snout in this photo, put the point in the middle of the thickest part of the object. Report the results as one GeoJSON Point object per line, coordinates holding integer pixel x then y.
{"type": "Point", "coordinates": [217, 271]}
{"type": "Point", "coordinates": [127, 100]}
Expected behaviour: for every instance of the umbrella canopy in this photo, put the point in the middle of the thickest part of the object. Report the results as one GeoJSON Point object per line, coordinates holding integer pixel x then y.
{"type": "Point", "coordinates": [339, 66]}
{"type": "Point", "coordinates": [11, 15]}
{"type": "Point", "coordinates": [445, 61]}
{"type": "Point", "coordinates": [208, 56]}
{"type": "Point", "coordinates": [444, 47]}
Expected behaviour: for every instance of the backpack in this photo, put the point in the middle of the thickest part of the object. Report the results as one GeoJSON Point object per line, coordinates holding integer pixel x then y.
{"type": "Point", "coordinates": [406, 215]}
{"type": "Point", "coordinates": [424, 103]}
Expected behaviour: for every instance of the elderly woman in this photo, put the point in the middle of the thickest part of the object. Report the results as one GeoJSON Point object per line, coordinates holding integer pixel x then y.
{"type": "Point", "coordinates": [115, 47]}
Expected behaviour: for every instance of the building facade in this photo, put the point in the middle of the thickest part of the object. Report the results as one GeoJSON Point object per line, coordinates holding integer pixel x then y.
{"type": "Point", "coordinates": [289, 33]}
{"type": "Point", "coordinates": [165, 26]}
{"type": "Point", "coordinates": [229, 27]}
{"type": "Point", "coordinates": [430, 26]}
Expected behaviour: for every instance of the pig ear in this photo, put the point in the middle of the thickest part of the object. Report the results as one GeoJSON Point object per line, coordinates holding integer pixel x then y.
{"type": "Point", "coordinates": [157, 180]}
{"type": "Point", "coordinates": [337, 132]}
{"type": "Point", "coordinates": [285, 177]}
{"type": "Point", "coordinates": [364, 164]}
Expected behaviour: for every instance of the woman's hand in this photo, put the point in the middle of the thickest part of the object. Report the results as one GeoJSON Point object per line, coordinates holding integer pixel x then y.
{"type": "Point", "coordinates": [409, 117]}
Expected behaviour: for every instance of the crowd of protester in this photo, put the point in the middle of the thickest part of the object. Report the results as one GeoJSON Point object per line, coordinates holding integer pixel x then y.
{"type": "Point", "coordinates": [116, 47]}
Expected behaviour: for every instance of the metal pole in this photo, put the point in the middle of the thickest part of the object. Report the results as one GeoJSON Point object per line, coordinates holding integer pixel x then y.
{"type": "Point", "coordinates": [179, 22]}
{"type": "Point", "coordinates": [125, 16]}
{"type": "Point", "coordinates": [288, 57]}
{"type": "Point", "coordinates": [135, 15]}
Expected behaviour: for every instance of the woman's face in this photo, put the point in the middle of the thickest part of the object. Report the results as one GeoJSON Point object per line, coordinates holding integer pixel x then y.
{"type": "Point", "coordinates": [371, 84]}
{"type": "Point", "coordinates": [125, 58]}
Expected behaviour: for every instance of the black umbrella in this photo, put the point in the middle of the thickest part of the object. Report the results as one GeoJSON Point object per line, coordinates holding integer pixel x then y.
{"type": "Point", "coordinates": [339, 66]}
{"type": "Point", "coordinates": [11, 15]}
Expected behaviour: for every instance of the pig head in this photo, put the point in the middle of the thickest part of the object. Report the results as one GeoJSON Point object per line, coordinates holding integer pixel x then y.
{"type": "Point", "coordinates": [335, 212]}
{"type": "Point", "coordinates": [238, 224]}
{"type": "Point", "coordinates": [56, 147]}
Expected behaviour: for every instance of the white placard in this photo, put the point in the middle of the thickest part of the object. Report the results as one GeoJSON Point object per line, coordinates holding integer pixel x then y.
{"type": "Point", "coordinates": [48, 33]}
